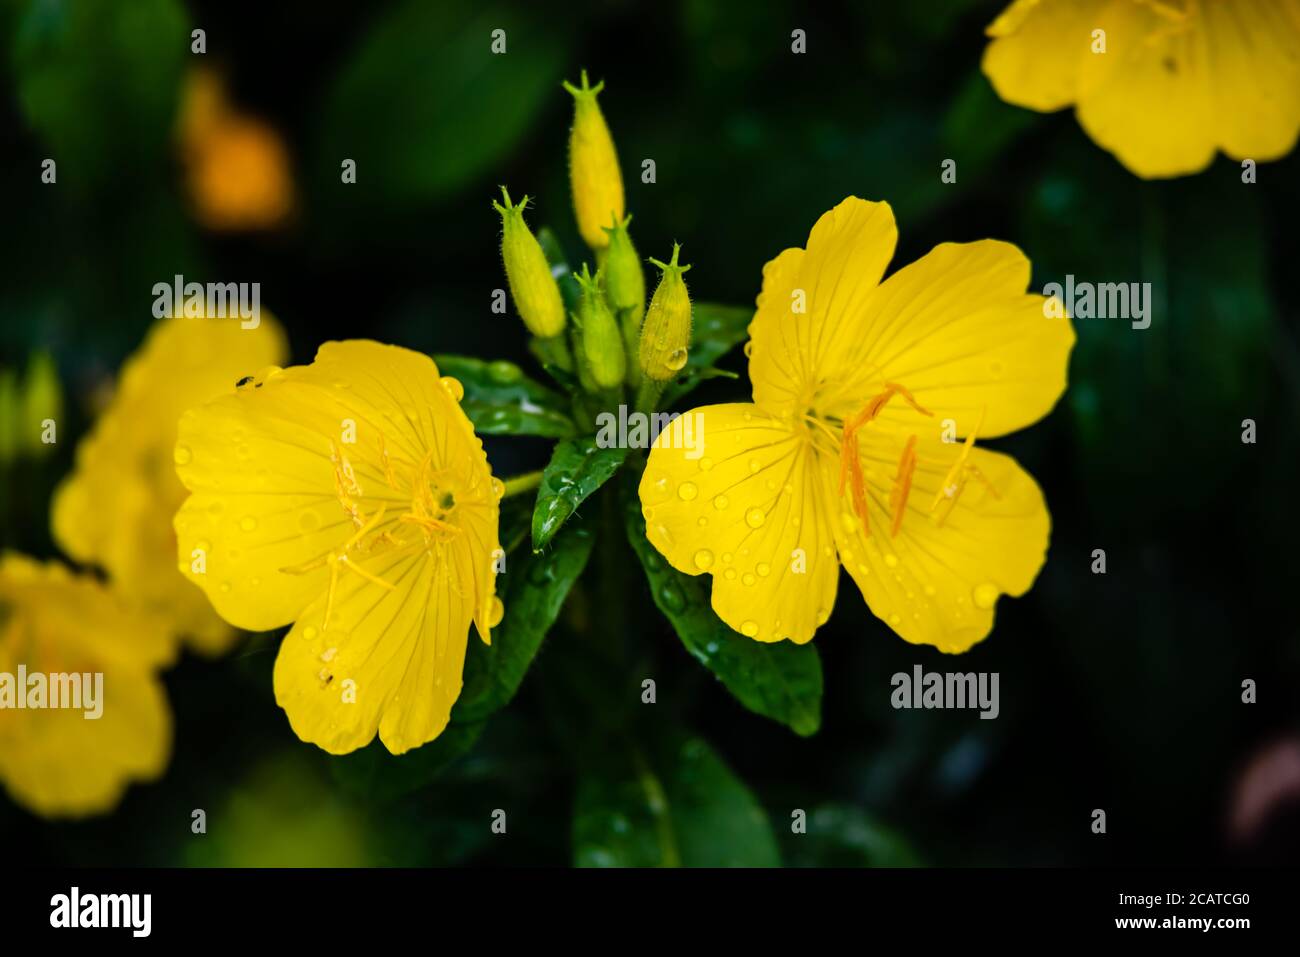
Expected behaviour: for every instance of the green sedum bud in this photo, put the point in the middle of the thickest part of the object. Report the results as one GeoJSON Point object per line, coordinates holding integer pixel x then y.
{"type": "Point", "coordinates": [594, 175]}
{"type": "Point", "coordinates": [625, 289]}
{"type": "Point", "coordinates": [602, 343]}
{"type": "Point", "coordinates": [536, 294]}
{"type": "Point", "coordinates": [666, 334]}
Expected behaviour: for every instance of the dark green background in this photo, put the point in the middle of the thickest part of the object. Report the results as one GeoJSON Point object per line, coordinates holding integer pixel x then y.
{"type": "Point", "coordinates": [1119, 692]}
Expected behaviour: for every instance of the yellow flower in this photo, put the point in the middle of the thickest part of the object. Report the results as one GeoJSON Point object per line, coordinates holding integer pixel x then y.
{"type": "Point", "coordinates": [59, 761]}
{"type": "Point", "coordinates": [115, 509]}
{"type": "Point", "coordinates": [237, 167]}
{"type": "Point", "coordinates": [350, 497]}
{"type": "Point", "coordinates": [1162, 84]}
{"type": "Point", "coordinates": [849, 452]}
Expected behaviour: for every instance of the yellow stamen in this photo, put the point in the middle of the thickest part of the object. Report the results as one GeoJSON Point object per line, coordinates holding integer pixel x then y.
{"type": "Point", "coordinates": [954, 483]}
{"type": "Point", "coordinates": [902, 485]}
{"type": "Point", "coordinates": [850, 461]}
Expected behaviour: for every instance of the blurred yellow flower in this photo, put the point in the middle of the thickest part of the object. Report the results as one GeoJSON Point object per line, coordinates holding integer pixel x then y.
{"type": "Point", "coordinates": [114, 510]}
{"type": "Point", "coordinates": [849, 452]}
{"type": "Point", "coordinates": [1162, 84]}
{"type": "Point", "coordinates": [237, 167]}
{"type": "Point", "coordinates": [350, 497]}
{"type": "Point", "coordinates": [64, 761]}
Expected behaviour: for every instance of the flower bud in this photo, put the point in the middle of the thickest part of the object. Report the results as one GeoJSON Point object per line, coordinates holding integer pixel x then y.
{"type": "Point", "coordinates": [602, 342]}
{"type": "Point", "coordinates": [593, 167]}
{"type": "Point", "coordinates": [625, 289]}
{"type": "Point", "coordinates": [42, 402]}
{"type": "Point", "coordinates": [536, 294]}
{"type": "Point", "coordinates": [666, 334]}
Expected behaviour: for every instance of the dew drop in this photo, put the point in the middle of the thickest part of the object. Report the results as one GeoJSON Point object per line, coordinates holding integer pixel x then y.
{"type": "Point", "coordinates": [755, 518]}
{"type": "Point", "coordinates": [748, 578]}
{"type": "Point", "coordinates": [310, 632]}
{"type": "Point", "coordinates": [720, 502]}
{"type": "Point", "coordinates": [891, 560]}
{"type": "Point", "coordinates": [749, 628]}
{"type": "Point", "coordinates": [730, 574]}
{"type": "Point", "coordinates": [453, 387]}
{"type": "Point", "coordinates": [672, 598]}
{"type": "Point", "coordinates": [703, 559]}
{"type": "Point", "coordinates": [247, 523]}
{"type": "Point", "coordinates": [225, 587]}
{"type": "Point", "coordinates": [763, 569]}
{"type": "Point", "coordinates": [895, 618]}
{"type": "Point", "coordinates": [496, 611]}
{"type": "Point", "coordinates": [676, 359]}
{"type": "Point", "coordinates": [309, 521]}
{"type": "Point", "coordinates": [755, 466]}
{"type": "Point", "coordinates": [687, 491]}
{"type": "Point", "coordinates": [706, 463]}
{"type": "Point", "coordinates": [498, 488]}
{"type": "Point", "coordinates": [181, 455]}
{"type": "Point", "coordinates": [504, 372]}
{"type": "Point", "coordinates": [985, 595]}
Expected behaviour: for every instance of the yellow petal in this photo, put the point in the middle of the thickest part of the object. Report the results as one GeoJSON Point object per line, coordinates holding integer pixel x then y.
{"type": "Point", "coordinates": [958, 330]}
{"type": "Point", "coordinates": [751, 512]}
{"type": "Point", "coordinates": [389, 661]}
{"type": "Point", "coordinates": [937, 583]}
{"type": "Point", "coordinates": [1255, 71]}
{"type": "Point", "coordinates": [812, 307]}
{"type": "Point", "coordinates": [115, 509]}
{"type": "Point", "coordinates": [1038, 51]}
{"type": "Point", "coordinates": [1148, 98]}
{"type": "Point", "coordinates": [59, 762]}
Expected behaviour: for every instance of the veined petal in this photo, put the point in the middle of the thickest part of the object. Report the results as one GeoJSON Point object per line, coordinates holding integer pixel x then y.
{"type": "Point", "coordinates": [1255, 70]}
{"type": "Point", "coordinates": [751, 512]}
{"type": "Point", "coordinates": [958, 329]}
{"type": "Point", "coordinates": [389, 661]}
{"type": "Point", "coordinates": [936, 582]}
{"type": "Point", "coordinates": [1038, 51]}
{"type": "Point", "coordinates": [812, 307]}
{"type": "Point", "coordinates": [1148, 99]}
{"type": "Point", "coordinates": [57, 761]}
{"type": "Point", "coordinates": [115, 509]}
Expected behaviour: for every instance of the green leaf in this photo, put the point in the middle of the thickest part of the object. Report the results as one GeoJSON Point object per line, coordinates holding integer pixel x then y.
{"type": "Point", "coordinates": [501, 400]}
{"type": "Point", "coordinates": [673, 804]}
{"type": "Point", "coordinates": [425, 106]}
{"type": "Point", "coordinates": [536, 586]}
{"type": "Point", "coordinates": [781, 680]}
{"type": "Point", "coordinates": [373, 772]}
{"type": "Point", "coordinates": [577, 468]}
{"type": "Point", "coordinates": [715, 330]}
{"type": "Point", "coordinates": [99, 80]}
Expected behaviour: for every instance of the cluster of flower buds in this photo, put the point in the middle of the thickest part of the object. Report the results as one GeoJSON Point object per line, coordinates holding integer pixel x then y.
{"type": "Point", "coordinates": [607, 336]}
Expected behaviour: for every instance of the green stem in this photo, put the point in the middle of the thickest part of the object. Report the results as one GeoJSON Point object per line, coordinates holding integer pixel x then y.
{"type": "Point", "coordinates": [648, 395]}
{"type": "Point", "coordinates": [522, 483]}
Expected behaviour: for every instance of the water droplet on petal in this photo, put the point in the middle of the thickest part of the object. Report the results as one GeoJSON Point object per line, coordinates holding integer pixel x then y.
{"type": "Point", "coordinates": [498, 488]}
{"type": "Point", "coordinates": [720, 502]}
{"type": "Point", "coordinates": [181, 455]}
{"type": "Point", "coordinates": [453, 387]}
{"type": "Point", "coordinates": [703, 558]}
{"type": "Point", "coordinates": [676, 359]}
{"type": "Point", "coordinates": [496, 611]}
{"type": "Point", "coordinates": [247, 523]}
{"type": "Point", "coordinates": [687, 491]}
{"type": "Point", "coordinates": [749, 628]}
{"type": "Point", "coordinates": [763, 569]}
{"type": "Point", "coordinates": [754, 518]}
{"type": "Point", "coordinates": [891, 560]}
{"type": "Point", "coordinates": [985, 595]}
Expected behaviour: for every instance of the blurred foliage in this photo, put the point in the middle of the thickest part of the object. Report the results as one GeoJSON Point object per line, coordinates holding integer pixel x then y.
{"type": "Point", "coordinates": [1119, 691]}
